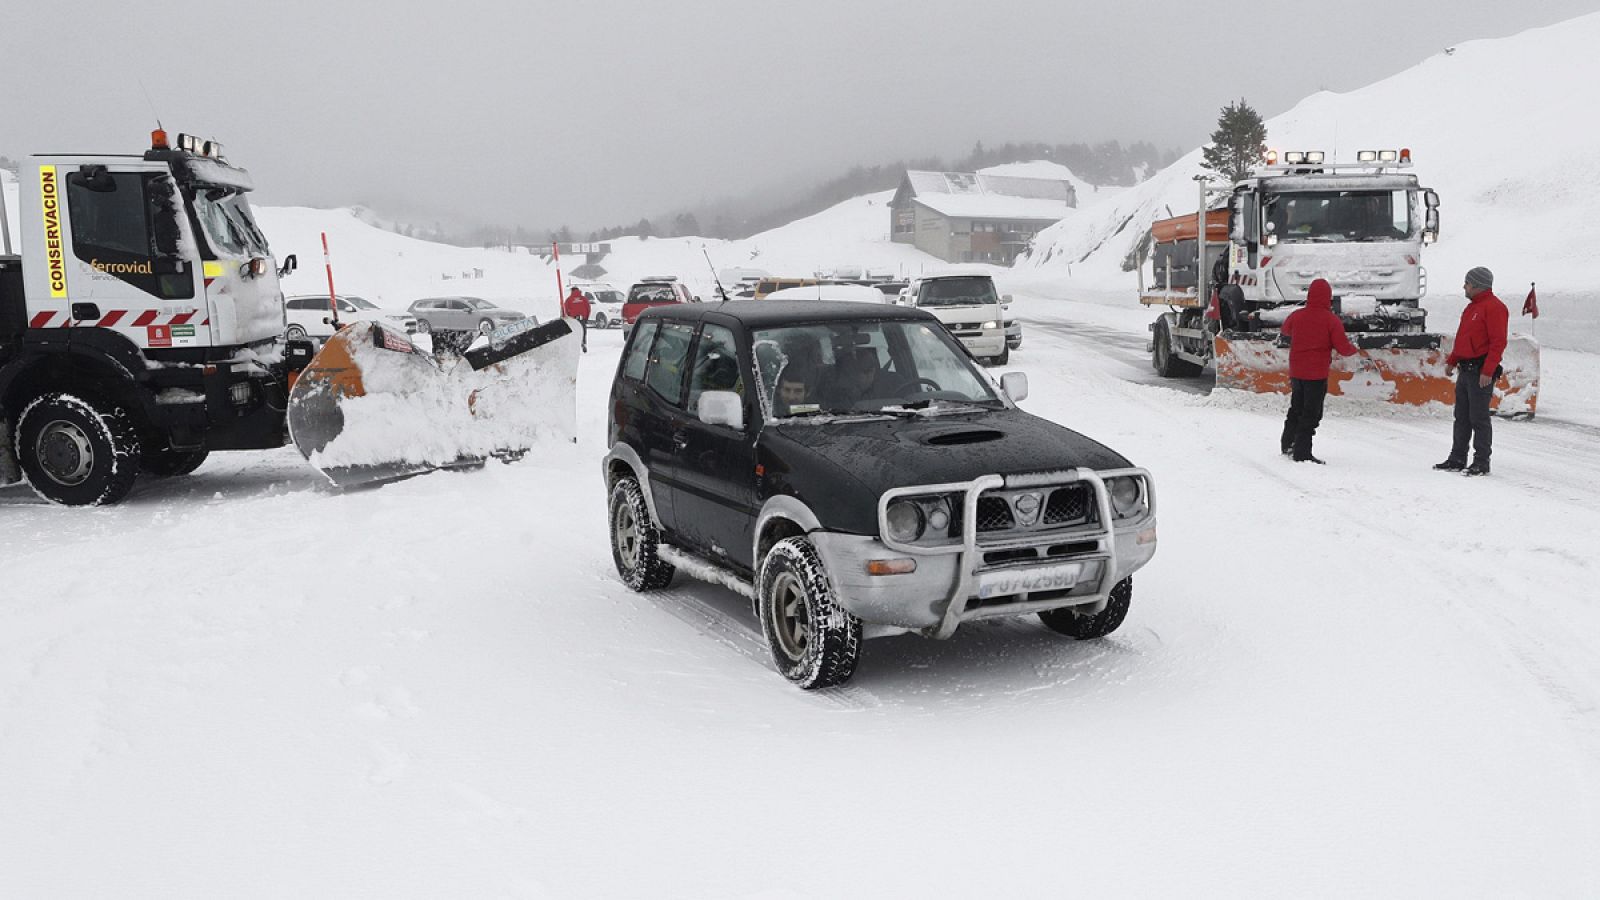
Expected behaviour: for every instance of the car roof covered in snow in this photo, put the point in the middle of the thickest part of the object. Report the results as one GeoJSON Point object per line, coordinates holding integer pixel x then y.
{"type": "Point", "coordinates": [773, 313]}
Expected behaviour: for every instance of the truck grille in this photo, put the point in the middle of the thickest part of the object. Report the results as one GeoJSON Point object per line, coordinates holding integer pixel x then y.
{"type": "Point", "coordinates": [1067, 505]}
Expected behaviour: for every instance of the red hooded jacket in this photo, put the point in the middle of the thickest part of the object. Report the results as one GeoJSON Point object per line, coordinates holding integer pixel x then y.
{"type": "Point", "coordinates": [1482, 332]}
{"type": "Point", "coordinates": [1314, 332]}
{"type": "Point", "coordinates": [576, 305]}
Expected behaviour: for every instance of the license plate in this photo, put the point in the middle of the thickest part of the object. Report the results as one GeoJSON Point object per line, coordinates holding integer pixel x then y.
{"type": "Point", "coordinates": [1042, 578]}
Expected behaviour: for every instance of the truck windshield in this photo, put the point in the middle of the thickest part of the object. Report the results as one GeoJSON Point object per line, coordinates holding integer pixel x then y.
{"type": "Point", "coordinates": [859, 367]}
{"type": "Point", "coordinates": [1340, 216]}
{"type": "Point", "coordinates": [977, 290]}
{"type": "Point", "coordinates": [229, 227]}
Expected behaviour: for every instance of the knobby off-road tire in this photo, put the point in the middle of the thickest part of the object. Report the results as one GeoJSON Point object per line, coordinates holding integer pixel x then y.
{"type": "Point", "coordinates": [172, 463]}
{"type": "Point", "coordinates": [815, 642]}
{"type": "Point", "coordinates": [634, 539]}
{"type": "Point", "coordinates": [76, 451]}
{"type": "Point", "coordinates": [1087, 626]}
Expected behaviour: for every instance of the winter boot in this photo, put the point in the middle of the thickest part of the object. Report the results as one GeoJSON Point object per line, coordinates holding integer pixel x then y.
{"type": "Point", "coordinates": [1477, 468]}
{"type": "Point", "coordinates": [1450, 465]}
{"type": "Point", "coordinates": [1310, 459]}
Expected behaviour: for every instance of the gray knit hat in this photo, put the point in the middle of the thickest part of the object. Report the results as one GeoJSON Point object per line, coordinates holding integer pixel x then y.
{"type": "Point", "coordinates": [1480, 277]}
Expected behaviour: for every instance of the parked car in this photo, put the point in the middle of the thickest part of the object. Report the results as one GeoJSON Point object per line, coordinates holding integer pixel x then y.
{"type": "Point", "coordinates": [660, 290]}
{"type": "Point", "coordinates": [766, 286]}
{"type": "Point", "coordinates": [461, 314]}
{"type": "Point", "coordinates": [848, 292]}
{"type": "Point", "coordinates": [848, 468]}
{"type": "Point", "coordinates": [308, 315]}
{"type": "Point", "coordinates": [968, 304]}
{"type": "Point", "coordinates": [891, 289]}
{"type": "Point", "coordinates": [605, 304]}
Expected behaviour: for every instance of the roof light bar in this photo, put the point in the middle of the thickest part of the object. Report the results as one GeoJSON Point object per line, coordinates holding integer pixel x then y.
{"type": "Point", "coordinates": [1272, 157]}
{"type": "Point", "coordinates": [1314, 156]}
{"type": "Point", "coordinates": [1366, 156]}
{"type": "Point", "coordinates": [188, 143]}
{"type": "Point", "coordinates": [1293, 157]}
{"type": "Point", "coordinates": [1388, 156]}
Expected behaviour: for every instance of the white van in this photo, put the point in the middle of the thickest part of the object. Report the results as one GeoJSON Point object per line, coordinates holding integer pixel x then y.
{"type": "Point", "coordinates": [970, 307]}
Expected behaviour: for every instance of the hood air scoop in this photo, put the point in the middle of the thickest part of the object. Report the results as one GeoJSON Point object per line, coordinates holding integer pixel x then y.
{"type": "Point", "coordinates": [972, 436]}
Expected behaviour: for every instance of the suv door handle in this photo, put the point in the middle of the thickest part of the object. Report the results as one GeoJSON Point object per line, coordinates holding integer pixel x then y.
{"type": "Point", "coordinates": [680, 439]}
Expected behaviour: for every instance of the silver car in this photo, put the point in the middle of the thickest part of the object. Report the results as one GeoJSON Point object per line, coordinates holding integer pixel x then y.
{"type": "Point", "coordinates": [461, 314]}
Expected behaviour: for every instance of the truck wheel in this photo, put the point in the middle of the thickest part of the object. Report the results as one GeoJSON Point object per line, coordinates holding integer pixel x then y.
{"type": "Point", "coordinates": [1161, 358]}
{"type": "Point", "coordinates": [815, 642]}
{"type": "Point", "coordinates": [1003, 359]}
{"type": "Point", "coordinates": [78, 452]}
{"type": "Point", "coordinates": [634, 539]}
{"type": "Point", "coordinates": [172, 463]}
{"type": "Point", "coordinates": [1086, 625]}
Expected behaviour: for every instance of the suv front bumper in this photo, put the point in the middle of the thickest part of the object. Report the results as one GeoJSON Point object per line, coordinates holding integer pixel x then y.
{"type": "Point", "coordinates": [995, 576]}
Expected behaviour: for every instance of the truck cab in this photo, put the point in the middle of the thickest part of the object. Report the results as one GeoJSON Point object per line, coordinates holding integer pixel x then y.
{"type": "Point", "coordinates": [141, 316]}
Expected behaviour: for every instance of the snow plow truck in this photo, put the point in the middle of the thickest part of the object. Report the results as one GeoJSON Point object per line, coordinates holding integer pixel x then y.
{"type": "Point", "coordinates": [1230, 275]}
{"type": "Point", "coordinates": [142, 327]}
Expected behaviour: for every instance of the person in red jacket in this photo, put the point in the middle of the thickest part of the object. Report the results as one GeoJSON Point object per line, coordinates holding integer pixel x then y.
{"type": "Point", "coordinates": [1480, 342]}
{"type": "Point", "coordinates": [576, 306]}
{"type": "Point", "coordinates": [1313, 333]}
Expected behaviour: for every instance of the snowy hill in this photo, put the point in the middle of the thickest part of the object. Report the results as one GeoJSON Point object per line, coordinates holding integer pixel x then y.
{"type": "Point", "coordinates": [393, 270]}
{"type": "Point", "coordinates": [1519, 181]}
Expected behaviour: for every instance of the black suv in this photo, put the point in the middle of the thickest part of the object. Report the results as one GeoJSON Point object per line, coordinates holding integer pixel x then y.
{"type": "Point", "coordinates": [850, 469]}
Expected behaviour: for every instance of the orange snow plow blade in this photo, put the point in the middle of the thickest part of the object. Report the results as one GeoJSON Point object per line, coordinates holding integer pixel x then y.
{"type": "Point", "coordinates": [1409, 376]}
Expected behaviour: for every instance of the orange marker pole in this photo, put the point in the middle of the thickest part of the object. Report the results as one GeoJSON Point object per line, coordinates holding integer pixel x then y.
{"type": "Point", "coordinates": [333, 299]}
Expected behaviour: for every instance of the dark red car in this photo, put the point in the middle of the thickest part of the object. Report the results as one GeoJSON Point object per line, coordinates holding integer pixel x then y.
{"type": "Point", "coordinates": [653, 292]}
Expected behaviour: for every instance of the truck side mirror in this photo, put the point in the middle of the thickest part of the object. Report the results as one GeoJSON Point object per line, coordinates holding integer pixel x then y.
{"type": "Point", "coordinates": [1015, 386]}
{"type": "Point", "coordinates": [1430, 228]}
{"type": "Point", "coordinates": [290, 263]}
{"type": "Point", "coordinates": [722, 408]}
{"type": "Point", "coordinates": [1431, 198]}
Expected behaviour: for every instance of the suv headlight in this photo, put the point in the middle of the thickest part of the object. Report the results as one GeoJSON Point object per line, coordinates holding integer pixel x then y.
{"type": "Point", "coordinates": [991, 325]}
{"type": "Point", "coordinates": [1127, 497]}
{"type": "Point", "coordinates": [905, 520]}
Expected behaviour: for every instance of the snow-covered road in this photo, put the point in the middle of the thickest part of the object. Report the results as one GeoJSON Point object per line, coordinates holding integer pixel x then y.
{"type": "Point", "coordinates": [1366, 677]}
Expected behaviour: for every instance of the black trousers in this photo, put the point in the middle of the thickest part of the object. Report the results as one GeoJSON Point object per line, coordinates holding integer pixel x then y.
{"type": "Point", "coordinates": [1306, 396]}
{"type": "Point", "coordinates": [1472, 416]}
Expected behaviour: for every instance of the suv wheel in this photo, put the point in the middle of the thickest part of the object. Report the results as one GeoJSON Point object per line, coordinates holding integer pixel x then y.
{"type": "Point", "coordinates": [1085, 625]}
{"type": "Point", "coordinates": [815, 642]}
{"type": "Point", "coordinates": [634, 539]}
{"type": "Point", "coordinates": [600, 321]}
{"type": "Point", "coordinates": [78, 452]}
{"type": "Point", "coordinates": [1003, 359]}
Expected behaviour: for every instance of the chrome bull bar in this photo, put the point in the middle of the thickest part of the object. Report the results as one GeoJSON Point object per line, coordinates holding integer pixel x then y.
{"type": "Point", "coordinates": [971, 553]}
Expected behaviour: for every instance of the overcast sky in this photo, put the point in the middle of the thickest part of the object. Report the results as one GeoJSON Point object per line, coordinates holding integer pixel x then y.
{"type": "Point", "coordinates": [593, 113]}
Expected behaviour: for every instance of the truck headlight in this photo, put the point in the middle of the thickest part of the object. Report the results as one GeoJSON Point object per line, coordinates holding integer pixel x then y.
{"type": "Point", "coordinates": [905, 521]}
{"type": "Point", "coordinates": [1127, 497]}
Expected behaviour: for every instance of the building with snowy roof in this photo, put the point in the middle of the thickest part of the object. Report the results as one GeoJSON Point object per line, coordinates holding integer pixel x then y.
{"type": "Point", "coordinates": [973, 217]}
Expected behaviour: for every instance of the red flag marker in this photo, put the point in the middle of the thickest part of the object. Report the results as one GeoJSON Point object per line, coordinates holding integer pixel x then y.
{"type": "Point", "coordinates": [1530, 306]}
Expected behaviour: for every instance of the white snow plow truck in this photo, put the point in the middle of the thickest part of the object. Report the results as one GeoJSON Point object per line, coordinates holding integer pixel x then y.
{"type": "Point", "coordinates": [1231, 275]}
{"type": "Point", "coordinates": [142, 327]}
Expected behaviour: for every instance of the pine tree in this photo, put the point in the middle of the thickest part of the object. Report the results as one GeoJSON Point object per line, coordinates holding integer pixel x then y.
{"type": "Point", "coordinates": [1238, 143]}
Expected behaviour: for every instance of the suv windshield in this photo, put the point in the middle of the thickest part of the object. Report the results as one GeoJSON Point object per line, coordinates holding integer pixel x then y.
{"type": "Point", "coordinates": [1338, 216]}
{"type": "Point", "coordinates": [977, 290]}
{"type": "Point", "coordinates": [228, 225]}
{"type": "Point", "coordinates": [857, 367]}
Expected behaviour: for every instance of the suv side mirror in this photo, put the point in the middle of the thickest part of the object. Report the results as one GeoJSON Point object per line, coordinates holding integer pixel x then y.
{"type": "Point", "coordinates": [722, 408]}
{"type": "Point", "coordinates": [1015, 386]}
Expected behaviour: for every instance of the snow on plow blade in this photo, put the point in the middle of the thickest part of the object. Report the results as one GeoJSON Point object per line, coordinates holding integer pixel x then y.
{"type": "Point", "coordinates": [372, 406]}
{"type": "Point", "coordinates": [1406, 369]}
